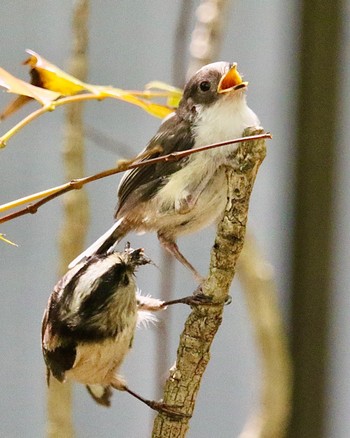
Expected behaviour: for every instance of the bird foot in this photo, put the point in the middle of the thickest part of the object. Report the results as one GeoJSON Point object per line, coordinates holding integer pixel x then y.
{"type": "Point", "coordinates": [197, 299]}
{"type": "Point", "coordinates": [163, 408]}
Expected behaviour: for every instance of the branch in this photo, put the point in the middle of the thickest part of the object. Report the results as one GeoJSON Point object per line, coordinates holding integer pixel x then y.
{"type": "Point", "coordinates": [208, 33]}
{"type": "Point", "coordinates": [75, 211]}
{"type": "Point", "coordinates": [123, 165]}
{"type": "Point", "coordinates": [104, 93]}
{"type": "Point", "coordinates": [193, 354]}
{"type": "Point", "coordinates": [257, 279]}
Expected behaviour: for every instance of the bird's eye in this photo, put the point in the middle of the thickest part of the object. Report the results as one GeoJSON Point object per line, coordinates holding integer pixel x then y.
{"type": "Point", "coordinates": [204, 86]}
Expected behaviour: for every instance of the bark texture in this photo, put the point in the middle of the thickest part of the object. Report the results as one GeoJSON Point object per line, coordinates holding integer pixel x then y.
{"type": "Point", "coordinates": [193, 353]}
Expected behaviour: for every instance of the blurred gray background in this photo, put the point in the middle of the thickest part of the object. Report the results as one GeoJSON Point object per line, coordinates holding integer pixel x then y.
{"type": "Point", "coordinates": [132, 43]}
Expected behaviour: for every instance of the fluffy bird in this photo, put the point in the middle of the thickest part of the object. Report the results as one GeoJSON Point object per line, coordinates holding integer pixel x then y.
{"type": "Point", "coordinates": [177, 198]}
{"type": "Point", "coordinates": [89, 324]}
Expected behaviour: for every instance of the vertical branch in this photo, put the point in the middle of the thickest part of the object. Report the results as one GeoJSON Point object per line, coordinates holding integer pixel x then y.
{"type": "Point", "coordinates": [257, 279]}
{"type": "Point", "coordinates": [275, 405]}
{"type": "Point", "coordinates": [76, 213]}
{"type": "Point", "coordinates": [193, 354]}
{"type": "Point", "coordinates": [316, 152]}
{"type": "Point", "coordinates": [180, 45]}
{"type": "Point", "coordinates": [207, 34]}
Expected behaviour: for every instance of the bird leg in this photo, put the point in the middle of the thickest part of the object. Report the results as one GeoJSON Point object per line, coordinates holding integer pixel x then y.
{"type": "Point", "coordinates": [172, 247]}
{"type": "Point", "coordinates": [147, 303]}
{"type": "Point", "coordinates": [192, 300]}
{"type": "Point", "coordinates": [157, 406]}
{"type": "Point", "coordinates": [197, 299]}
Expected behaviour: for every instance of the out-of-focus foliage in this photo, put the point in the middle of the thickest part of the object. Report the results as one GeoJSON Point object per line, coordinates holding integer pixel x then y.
{"type": "Point", "coordinates": [3, 238]}
{"type": "Point", "coordinates": [50, 86]}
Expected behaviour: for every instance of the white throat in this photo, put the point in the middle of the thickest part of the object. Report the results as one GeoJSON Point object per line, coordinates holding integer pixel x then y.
{"type": "Point", "coordinates": [224, 120]}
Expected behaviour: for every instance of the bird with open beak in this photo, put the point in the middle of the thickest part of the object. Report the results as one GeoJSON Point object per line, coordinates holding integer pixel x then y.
{"type": "Point", "coordinates": [177, 198]}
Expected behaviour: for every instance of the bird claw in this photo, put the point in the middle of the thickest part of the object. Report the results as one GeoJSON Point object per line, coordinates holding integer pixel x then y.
{"type": "Point", "coordinates": [228, 300]}
{"type": "Point", "coordinates": [191, 300]}
{"type": "Point", "coordinates": [171, 411]}
{"type": "Point", "coordinates": [199, 299]}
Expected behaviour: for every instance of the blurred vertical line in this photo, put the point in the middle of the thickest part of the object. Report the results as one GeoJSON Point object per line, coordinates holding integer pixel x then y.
{"type": "Point", "coordinates": [208, 33]}
{"type": "Point", "coordinates": [76, 209]}
{"type": "Point", "coordinates": [181, 42]}
{"type": "Point", "coordinates": [167, 266]}
{"type": "Point", "coordinates": [270, 420]}
{"type": "Point", "coordinates": [318, 109]}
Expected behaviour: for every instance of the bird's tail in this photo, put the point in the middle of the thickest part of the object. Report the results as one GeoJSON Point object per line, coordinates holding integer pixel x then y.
{"type": "Point", "coordinates": [100, 393]}
{"type": "Point", "coordinates": [102, 244]}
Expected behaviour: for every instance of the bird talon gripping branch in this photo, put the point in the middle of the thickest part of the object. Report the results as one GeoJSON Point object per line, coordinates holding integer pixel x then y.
{"type": "Point", "coordinates": [170, 411]}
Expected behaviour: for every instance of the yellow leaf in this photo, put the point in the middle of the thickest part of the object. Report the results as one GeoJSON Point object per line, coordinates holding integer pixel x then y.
{"type": "Point", "coordinates": [17, 86]}
{"type": "Point", "coordinates": [132, 97]}
{"type": "Point", "coordinates": [174, 94]}
{"type": "Point", "coordinates": [14, 106]}
{"type": "Point", "coordinates": [157, 110]}
{"type": "Point", "coordinates": [49, 76]}
{"type": "Point", "coordinates": [2, 237]}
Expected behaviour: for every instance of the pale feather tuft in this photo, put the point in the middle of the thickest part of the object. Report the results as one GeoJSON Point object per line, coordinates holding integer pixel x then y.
{"type": "Point", "coordinates": [147, 305]}
{"type": "Point", "coordinates": [145, 319]}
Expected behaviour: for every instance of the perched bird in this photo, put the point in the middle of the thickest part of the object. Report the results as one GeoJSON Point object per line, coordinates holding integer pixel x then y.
{"type": "Point", "coordinates": [176, 198]}
{"type": "Point", "coordinates": [89, 324]}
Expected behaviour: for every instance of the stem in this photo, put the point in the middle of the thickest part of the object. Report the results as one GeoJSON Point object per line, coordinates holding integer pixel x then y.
{"type": "Point", "coordinates": [257, 279]}
{"type": "Point", "coordinates": [76, 211]}
{"type": "Point", "coordinates": [122, 167]}
{"type": "Point", "coordinates": [112, 93]}
{"type": "Point", "coordinates": [193, 354]}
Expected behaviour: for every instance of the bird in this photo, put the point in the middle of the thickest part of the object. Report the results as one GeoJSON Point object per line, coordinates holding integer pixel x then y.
{"type": "Point", "coordinates": [90, 321]}
{"type": "Point", "coordinates": [181, 197]}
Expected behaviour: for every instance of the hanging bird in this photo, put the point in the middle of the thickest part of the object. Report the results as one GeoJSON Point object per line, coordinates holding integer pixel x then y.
{"type": "Point", "coordinates": [90, 321]}
{"type": "Point", "coordinates": [177, 198]}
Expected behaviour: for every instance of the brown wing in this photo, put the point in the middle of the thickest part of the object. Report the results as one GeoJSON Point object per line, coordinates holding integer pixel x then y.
{"type": "Point", "coordinates": [141, 184]}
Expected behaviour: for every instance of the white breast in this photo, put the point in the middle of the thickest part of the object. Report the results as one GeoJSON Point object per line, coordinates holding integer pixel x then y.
{"type": "Point", "coordinates": [225, 120]}
{"type": "Point", "coordinates": [97, 363]}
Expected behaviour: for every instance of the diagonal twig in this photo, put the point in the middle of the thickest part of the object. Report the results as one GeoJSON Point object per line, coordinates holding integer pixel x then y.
{"type": "Point", "coordinates": [123, 165]}
{"type": "Point", "coordinates": [123, 95]}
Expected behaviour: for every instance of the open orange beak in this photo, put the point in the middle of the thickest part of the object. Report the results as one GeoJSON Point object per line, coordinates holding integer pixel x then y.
{"type": "Point", "coordinates": [231, 81]}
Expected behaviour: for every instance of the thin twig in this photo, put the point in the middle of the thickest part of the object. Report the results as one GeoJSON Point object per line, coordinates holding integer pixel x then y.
{"type": "Point", "coordinates": [124, 165]}
{"type": "Point", "coordinates": [123, 95]}
{"type": "Point", "coordinates": [102, 140]}
{"type": "Point", "coordinates": [201, 326]}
